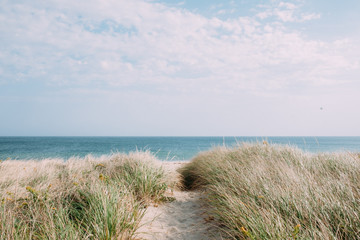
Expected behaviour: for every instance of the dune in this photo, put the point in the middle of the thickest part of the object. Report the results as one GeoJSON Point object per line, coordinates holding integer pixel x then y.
{"type": "Point", "coordinates": [184, 218]}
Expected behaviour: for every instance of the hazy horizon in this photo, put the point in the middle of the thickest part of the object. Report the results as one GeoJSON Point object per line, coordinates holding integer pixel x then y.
{"type": "Point", "coordinates": [180, 136]}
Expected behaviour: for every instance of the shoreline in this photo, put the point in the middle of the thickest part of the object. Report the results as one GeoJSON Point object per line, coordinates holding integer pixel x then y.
{"type": "Point", "coordinates": [165, 148]}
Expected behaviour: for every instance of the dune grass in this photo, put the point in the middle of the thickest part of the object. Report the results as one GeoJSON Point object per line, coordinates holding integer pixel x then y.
{"type": "Point", "coordinates": [261, 191]}
{"type": "Point", "coordinates": [88, 198]}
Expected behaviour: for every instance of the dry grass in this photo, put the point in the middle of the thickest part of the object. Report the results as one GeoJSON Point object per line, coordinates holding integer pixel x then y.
{"type": "Point", "coordinates": [88, 198]}
{"type": "Point", "coordinates": [276, 192]}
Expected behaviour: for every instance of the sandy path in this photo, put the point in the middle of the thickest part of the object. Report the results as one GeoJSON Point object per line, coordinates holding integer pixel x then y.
{"type": "Point", "coordinates": [184, 218]}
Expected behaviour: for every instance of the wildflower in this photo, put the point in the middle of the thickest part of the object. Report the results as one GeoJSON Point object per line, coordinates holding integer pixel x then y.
{"type": "Point", "coordinates": [32, 191]}
{"type": "Point", "coordinates": [245, 232]}
{"type": "Point", "coordinates": [296, 231]}
{"type": "Point", "coordinates": [102, 177]}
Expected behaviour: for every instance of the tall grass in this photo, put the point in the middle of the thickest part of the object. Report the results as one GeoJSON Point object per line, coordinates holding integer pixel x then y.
{"type": "Point", "coordinates": [276, 192]}
{"type": "Point", "coordinates": [89, 198]}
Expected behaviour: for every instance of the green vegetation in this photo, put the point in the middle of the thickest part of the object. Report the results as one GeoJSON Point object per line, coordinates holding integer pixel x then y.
{"type": "Point", "coordinates": [274, 192]}
{"type": "Point", "coordinates": [90, 198]}
{"type": "Point", "coordinates": [255, 191]}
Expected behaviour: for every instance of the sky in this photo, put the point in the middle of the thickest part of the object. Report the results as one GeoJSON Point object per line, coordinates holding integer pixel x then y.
{"type": "Point", "coordinates": [179, 68]}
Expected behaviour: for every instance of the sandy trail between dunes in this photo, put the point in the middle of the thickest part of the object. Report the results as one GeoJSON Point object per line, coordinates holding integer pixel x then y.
{"type": "Point", "coordinates": [184, 218]}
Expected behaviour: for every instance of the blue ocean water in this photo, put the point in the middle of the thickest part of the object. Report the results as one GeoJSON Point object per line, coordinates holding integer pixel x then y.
{"type": "Point", "coordinates": [165, 148]}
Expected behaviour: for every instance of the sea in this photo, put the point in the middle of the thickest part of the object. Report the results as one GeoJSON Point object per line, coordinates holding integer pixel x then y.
{"type": "Point", "coordinates": [164, 148]}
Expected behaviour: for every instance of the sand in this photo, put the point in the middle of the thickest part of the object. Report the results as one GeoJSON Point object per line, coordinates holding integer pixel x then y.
{"type": "Point", "coordinates": [184, 218]}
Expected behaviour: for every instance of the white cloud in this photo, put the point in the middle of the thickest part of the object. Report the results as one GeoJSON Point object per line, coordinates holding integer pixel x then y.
{"type": "Point", "coordinates": [140, 43]}
{"type": "Point", "coordinates": [286, 12]}
{"type": "Point", "coordinates": [310, 16]}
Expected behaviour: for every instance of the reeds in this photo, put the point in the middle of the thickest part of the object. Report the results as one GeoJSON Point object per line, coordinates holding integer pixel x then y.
{"type": "Point", "coordinates": [89, 198]}
{"type": "Point", "coordinates": [261, 191]}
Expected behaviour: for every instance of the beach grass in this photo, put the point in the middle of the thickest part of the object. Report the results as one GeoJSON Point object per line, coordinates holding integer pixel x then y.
{"type": "Point", "coordinates": [262, 191]}
{"type": "Point", "coordinates": [81, 198]}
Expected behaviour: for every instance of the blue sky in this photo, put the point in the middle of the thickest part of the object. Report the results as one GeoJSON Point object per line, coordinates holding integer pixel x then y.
{"type": "Point", "coordinates": [175, 68]}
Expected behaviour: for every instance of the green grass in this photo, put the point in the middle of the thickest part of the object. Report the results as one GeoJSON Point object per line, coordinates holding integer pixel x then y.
{"type": "Point", "coordinates": [274, 192]}
{"type": "Point", "coordinates": [89, 198]}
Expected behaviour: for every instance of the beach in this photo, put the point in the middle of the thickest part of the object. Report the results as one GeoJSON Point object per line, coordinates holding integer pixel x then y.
{"type": "Point", "coordinates": [251, 191]}
{"type": "Point", "coordinates": [184, 218]}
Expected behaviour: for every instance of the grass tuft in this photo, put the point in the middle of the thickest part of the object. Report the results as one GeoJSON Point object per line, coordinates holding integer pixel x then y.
{"type": "Point", "coordinates": [88, 198]}
{"type": "Point", "coordinates": [262, 191]}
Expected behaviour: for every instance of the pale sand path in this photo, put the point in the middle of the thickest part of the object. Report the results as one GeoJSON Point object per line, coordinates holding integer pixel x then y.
{"type": "Point", "coordinates": [184, 218]}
